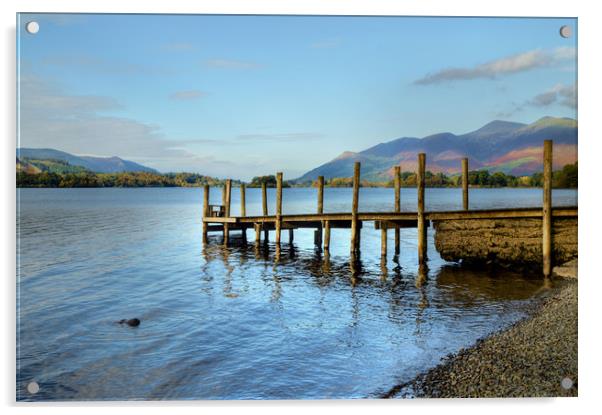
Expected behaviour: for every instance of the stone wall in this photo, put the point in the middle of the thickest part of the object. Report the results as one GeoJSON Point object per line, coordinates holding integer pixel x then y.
{"type": "Point", "coordinates": [506, 242]}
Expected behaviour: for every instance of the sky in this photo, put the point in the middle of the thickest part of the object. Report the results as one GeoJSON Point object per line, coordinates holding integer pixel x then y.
{"type": "Point", "coordinates": [243, 96]}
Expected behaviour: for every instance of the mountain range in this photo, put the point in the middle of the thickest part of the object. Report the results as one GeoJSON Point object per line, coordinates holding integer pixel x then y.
{"type": "Point", "coordinates": [33, 160]}
{"type": "Point", "coordinates": [510, 147]}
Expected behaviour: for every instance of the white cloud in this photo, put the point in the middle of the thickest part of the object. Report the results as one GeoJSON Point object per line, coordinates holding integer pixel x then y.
{"type": "Point", "coordinates": [504, 66]}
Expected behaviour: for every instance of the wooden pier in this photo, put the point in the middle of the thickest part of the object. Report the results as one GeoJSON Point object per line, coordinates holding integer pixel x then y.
{"type": "Point", "coordinates": [217, 218]}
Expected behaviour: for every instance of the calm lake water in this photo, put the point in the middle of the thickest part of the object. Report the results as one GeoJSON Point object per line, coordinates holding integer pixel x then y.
{"type": "Point", "coordinates": [238, 322]}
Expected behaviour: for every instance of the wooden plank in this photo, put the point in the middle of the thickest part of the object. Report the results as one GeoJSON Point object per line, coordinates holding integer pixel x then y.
{"type": "Point", "coordinates": [218, 219]}
{"type": "Point", "coordinates": [397, 185]}
{"type": "Point", "coordinates": [278, 206]}
{"type": "Point", "coordinates": [465, 183]}
{"type": "Point", "coordinates": [354, 207]}
{"type": "Point", "coordinates": [500, 214]}
{"type": "Point", "coordinates": [399, 224]}
{"type": "Point", "coordinates": [547, 209]}
{"type": "Point", "coordinates": [420, 214]}
{"type": "Point", "coordinates": [535, 212]}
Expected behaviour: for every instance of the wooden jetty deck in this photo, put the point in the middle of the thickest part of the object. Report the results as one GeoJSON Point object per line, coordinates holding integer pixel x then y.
{"type": "Point", "coordinates": [217, 218]}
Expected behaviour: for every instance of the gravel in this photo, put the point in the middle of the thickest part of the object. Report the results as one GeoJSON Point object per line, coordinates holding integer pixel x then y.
{"type": "Point", "coordinates": [536, 357]}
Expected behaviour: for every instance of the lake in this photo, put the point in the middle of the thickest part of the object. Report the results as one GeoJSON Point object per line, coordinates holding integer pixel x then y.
{"type": "Point", "coordinates": [239, 322]}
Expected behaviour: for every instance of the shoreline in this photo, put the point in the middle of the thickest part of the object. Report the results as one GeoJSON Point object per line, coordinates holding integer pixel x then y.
{"type": "Point", "coordinates": [530, 358]}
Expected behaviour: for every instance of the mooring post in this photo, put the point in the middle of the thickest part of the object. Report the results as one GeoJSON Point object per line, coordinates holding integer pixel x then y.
{"type": "Point", "coordinates": [421, 221]}
{"type": "Point", "coordinates": [354, 207]}
{"type": "Point", "coordinates": [326, 236]}
{"type": "Point", "coordinates": [278, 206]}
{"type": "Point", "coordinates": [397, 184]}
{"type": "Point", "coordinates": [243, 208]}
{"type": "Point", "coordinates": [205, 210]}
{"type": "Point", "coordinates": [264, 204]}
{"type": "Point", "coordinates": [547, 208]}
{"type": "Point", "coordinates": [257, 228]}
{"type": "Point", "coordinates": [465, 183]}
{"type": "Point", "coordinates": [227, 211]}
{"type": "Point", "coordinates": [318, 233]}
{"type": "Point", "coordinates": [291, 236]}
{"type": "Point", "coordinates": [383, 240]}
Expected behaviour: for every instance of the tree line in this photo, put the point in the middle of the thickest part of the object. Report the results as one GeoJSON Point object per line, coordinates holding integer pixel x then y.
{"type": "Point", "coordinates": [567, 177]}
{"type": "Point", "coordinates": [122, 179]}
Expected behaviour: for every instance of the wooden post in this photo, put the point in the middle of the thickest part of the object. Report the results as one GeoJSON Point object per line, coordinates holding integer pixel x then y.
{"type": "Point", "coordinates": [383, 240]}
{"type": "Point", "coordinates": [205, 210]}
{"type": "Point", "coordinates": [278, 206]}
{"type": "Point", "coordinates": [354, 207]}
{"type": "Point", "coordinates": [397, 184]}
{"type": "Point", "coordinates": [421, 221]}
{"type": "Point", "coordinates": [243, 208]}
{"type": "Point", "coordinates": [243, 201]}
{"type": "Point", "coordinates": [257, 227]}
{"type": "Point", "coordinates": [291, 236]}
{"type": "Point", "coordinates": [264, 204]}
{"type": "Point", "coordinates": [326, 236]}
{"type": "Point", "coordinates": [465, 183]}
{"type": "Point", "coordinates": [547, 208]}
{"type": "Point", "coordinates": [318, 236]}
{"type": "Point", "coordinates": [228, 194]}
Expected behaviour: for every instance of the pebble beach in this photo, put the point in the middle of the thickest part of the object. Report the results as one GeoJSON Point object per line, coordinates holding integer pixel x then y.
{"type": "Point", "coordinates": [535, 357]}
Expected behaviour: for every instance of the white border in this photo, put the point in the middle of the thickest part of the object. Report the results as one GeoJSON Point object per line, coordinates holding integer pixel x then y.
{"type": "Point", "coordinates": [590, 167]}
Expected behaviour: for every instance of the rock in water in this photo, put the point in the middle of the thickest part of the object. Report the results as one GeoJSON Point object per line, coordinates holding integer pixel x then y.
{"type": "Point", "coordinates": [133, 322]}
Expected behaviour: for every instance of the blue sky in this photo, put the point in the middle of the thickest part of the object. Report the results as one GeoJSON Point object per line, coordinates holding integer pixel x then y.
{"type": "Point", "coordinates": [240, 96]}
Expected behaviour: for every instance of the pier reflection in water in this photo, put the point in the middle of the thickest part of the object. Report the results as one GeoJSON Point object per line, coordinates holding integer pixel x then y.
{"type": "Point", "coordinates": [410, 314]}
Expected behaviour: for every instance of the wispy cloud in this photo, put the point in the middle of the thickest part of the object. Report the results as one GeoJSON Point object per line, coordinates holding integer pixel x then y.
{"type": "Point", "coordinates": [49, 117]}
{"type": "Point", "coordinates": [326, 43]}
{"type": "Point", "coordinates": [187, 95]}
{"type": "Point", "coordinates": [565, 95]}
{"type": "Point", "coordinates": [521, 62]}
{"type": "Point", "coordinates": [559, 94]}
{"type": "Point", "coordinates": [230, 64]}
{"type": "Point", "coordinates": [102, 66]}
{"type": "Point", "coordinates": [279, 138]}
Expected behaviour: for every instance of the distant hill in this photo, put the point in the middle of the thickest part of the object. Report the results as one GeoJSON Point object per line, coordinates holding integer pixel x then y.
{"type": "Point", "coordinates": [510, 147]}
{"type": "Point", "coordinates": [40, 157]}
